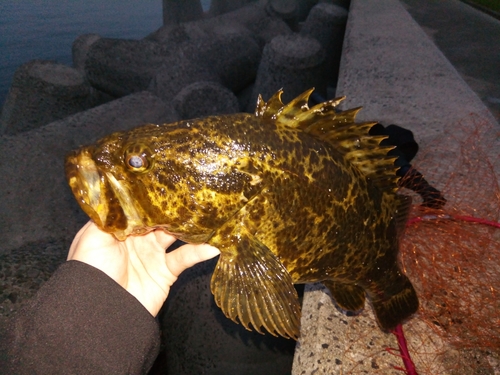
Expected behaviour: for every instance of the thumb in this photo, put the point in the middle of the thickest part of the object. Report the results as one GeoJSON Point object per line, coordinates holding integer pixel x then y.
{"type": "Point", "coordinates": [187, 256]}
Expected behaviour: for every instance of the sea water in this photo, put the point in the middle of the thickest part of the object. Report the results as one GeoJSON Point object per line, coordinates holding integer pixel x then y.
{"type": "Point", "coordinates": [46, 29]}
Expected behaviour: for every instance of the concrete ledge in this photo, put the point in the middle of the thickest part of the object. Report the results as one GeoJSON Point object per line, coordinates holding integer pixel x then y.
{"type": "Point", "coordinates": [35, 202]}
{"type": "Point", "coordinates": [391, 68]}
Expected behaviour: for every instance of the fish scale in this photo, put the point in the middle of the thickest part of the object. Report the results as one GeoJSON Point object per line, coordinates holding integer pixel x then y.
{"type": "Point", "coordinates": [290, 194]}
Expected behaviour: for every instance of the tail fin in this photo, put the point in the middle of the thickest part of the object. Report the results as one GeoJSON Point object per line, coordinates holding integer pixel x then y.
{"type": "Point", "coordinates": [391, 311]}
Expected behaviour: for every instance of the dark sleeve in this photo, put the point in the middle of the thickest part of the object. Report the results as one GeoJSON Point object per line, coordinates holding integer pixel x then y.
{"type": "Point", "coordinates": [82, 322]}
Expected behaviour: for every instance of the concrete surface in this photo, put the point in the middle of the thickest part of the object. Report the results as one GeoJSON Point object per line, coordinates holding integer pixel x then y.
{"type": "Point", "coordinates": [391, 68]}
{"type": "Point", "coordinates": [470, 40]}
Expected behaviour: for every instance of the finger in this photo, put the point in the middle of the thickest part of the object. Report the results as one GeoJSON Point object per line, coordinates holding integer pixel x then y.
{"type": "Point", "coordinates": [163, 238]}
{"type": "Point", "coordinates": [188, 255]}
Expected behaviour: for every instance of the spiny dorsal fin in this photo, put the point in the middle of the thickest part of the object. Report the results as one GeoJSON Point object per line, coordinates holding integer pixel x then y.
{"type": "Point", "coordinates": [337, 128]}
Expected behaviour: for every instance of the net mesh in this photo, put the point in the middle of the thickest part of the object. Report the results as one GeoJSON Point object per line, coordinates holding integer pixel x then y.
{"type": "Point", "coordinates": [452, 255]}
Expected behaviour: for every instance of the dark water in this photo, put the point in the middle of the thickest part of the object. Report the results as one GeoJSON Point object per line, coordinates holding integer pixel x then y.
{"type": "Point", "coordinates": [45, 29]}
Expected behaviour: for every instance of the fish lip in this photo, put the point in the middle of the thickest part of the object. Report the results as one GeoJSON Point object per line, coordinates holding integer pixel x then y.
{"type": "Point", "coordinates": [85, 181]}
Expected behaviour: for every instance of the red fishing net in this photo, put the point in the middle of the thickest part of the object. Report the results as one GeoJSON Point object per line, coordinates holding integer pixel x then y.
{"type": "Point", "coordinates": [452, 255]}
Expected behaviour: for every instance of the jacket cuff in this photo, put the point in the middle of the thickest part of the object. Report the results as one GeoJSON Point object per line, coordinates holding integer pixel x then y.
{"type": "Point", "coordinates": [82, 321]}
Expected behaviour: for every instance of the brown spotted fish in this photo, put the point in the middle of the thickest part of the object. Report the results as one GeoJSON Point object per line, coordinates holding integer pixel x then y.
{"type": "Point", "coordinates": [290, 194]}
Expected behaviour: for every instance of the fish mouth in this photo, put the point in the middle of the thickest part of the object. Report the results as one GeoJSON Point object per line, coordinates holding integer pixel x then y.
{"type": "Point", "coordinates": [100, 195]}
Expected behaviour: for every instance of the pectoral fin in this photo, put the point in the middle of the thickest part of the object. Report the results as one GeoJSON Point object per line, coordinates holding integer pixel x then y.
{"type": "Point", "coordinates": [350, 297]}
{"type": "Point", "coordinates": [251, 285]}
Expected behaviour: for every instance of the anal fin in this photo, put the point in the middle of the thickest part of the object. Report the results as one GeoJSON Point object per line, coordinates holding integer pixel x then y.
{"type": "Point", "coordinates": [349, 297]}
{"type": "Point", "coordinates": [251, 285]}
{"type": "Point", "coordinates": [393, 309]}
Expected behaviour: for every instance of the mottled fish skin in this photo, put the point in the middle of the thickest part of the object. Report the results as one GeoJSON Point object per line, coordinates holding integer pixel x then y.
{"type": "Point", "coordinates": [282, 204]}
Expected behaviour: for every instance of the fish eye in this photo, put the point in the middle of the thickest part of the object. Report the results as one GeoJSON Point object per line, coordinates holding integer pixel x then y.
{"type": "Point", "coordinates": [137, 159]}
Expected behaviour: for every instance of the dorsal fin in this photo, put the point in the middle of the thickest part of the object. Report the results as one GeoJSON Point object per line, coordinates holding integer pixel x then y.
{"type": "Point", "coordinates": [337, 128]}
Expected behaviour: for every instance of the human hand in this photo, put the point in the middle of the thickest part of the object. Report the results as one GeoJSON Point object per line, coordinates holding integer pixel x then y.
{"type": "Point", "coordinates": [139, 264]}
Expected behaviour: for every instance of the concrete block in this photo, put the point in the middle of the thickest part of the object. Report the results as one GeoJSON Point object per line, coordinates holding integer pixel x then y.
{"type": "Point", "coordinates": [218, 7]}
{"type": "Point", "coordinates": [292, 62]}
{"type": "Point", "coordinates": [120, 67]}
{"type": "Point", "coordinates": [185, 55]}
{"type": "Point", "coordinates": [177, 11]}
{"type": "Point", "coordinates": [43, 91]}
{"type": "Point", "coordinates": [178, 34]}
{"type": "Point", "coordinates": [326, 23]}
{"type": "Point", "coordinates": [244, 98]}
{"type": "Point", "coordinates": [287, 10]}
{"type": "Point", "coordinates": [304, 7]}
{"type": "Point", "coordinates": [229, 56]}
{"type": "Point", "coordinates": [205, 99]}
{"type": "Point", "coordinates": [35, 202]}
{"type": "Point", "coordinates": [232, 55]}
{"type": "Point", "coordinates": [341, 3]}
{"type": "Point", "coordinates": [177, 73]}
{"type": "Point", "coordinates": [79, 49]}
{"type": "Point", "coordinates": [391, 68]}
{"type": "Point", "coordinates": [253, 17]}
{"type": "Point", "coordinates": [266, 29]}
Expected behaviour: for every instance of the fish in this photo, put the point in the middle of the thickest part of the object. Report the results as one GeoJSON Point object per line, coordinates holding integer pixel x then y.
{"type": "Point", "coordinates": [290, 194]}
